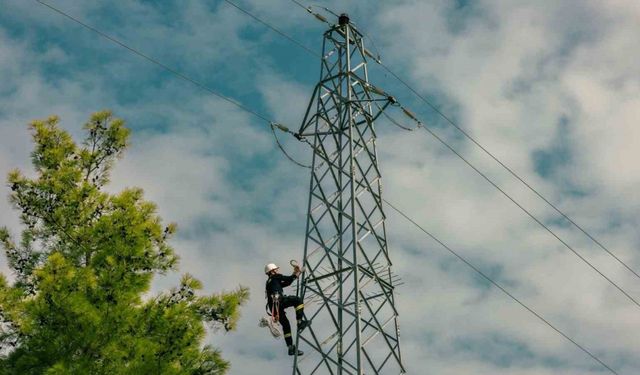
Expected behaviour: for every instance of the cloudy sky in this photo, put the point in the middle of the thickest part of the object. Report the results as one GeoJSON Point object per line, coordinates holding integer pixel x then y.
{"type": "Point", "coordinates": [552, 88]}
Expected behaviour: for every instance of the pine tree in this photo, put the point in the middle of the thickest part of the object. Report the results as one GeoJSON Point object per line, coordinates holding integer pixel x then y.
{"type": "Point", "coordinates": [84, 264]}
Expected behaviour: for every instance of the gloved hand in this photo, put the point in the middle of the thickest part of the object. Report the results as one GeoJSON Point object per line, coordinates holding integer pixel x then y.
{"type": "Point", "coordinates": [297, 270]}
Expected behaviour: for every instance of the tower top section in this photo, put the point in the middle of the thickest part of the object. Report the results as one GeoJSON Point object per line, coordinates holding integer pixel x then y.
{"type": "Point", "coordinates": [344, 89]}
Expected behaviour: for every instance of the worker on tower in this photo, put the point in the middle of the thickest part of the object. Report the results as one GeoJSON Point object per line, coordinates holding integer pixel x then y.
{"type": "Point", "coordinates": [277, 302]}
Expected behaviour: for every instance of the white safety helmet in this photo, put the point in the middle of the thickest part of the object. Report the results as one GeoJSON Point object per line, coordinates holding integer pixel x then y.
{"type": "Point", "coordinates": [270, 267]}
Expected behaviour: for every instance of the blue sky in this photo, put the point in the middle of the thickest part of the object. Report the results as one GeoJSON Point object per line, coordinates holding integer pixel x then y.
{"type": "Point", "coordinates": [551, 87]}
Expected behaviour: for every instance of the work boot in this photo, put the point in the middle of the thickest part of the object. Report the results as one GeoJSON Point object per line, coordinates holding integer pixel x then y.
{"type": "Point", "coordinates": [292, 350]}
{"type": "Point", "coordinates": [302, 324]}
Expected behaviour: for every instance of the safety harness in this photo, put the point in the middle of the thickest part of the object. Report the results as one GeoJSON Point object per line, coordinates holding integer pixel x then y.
{"type": "Point", "coordinates": [274, 310]}
{"type": "Point", "coordinates": [275, 307]}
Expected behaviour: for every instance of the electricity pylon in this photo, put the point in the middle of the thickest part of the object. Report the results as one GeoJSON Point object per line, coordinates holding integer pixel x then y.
{"type": "Point", "coordinates": [347, 285]}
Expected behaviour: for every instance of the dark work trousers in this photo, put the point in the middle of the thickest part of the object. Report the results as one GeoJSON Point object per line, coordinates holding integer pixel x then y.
{"type": "Point", "coordinates": [290, 301]}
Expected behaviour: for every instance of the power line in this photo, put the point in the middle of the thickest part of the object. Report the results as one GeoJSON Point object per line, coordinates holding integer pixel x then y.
{"type": "Point", "coordinates": [497, 285]}
{"type": "Point", "coordinates": [183, 76]}
{"type": "Point", "coordinates": [490, 181]}
{"type": "Point", "coordinates": [156, 62]}
{"type": "Point", "coordinates": [511, 171]}
{"type": "Point", "coordinates": [273, 28]}
{"type": "Point", "coordinates": [514, 201]}
{"type": "Point", "coordinates": [532, 216]}
{"type": "Point", "coordinates": [495, 158]}
{"type": "Point", "coordinates": [248, 110]}
{"type": "Point", "coordinates": [547, 228]}
{"type": "Point", "coordinates": [300, 5]}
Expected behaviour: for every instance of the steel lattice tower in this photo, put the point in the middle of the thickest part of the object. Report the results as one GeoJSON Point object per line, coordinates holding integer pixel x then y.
{"type": "Point", "coordinates": [348, 285]}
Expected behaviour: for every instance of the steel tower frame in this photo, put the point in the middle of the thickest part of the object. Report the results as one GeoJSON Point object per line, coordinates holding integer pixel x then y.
{"type": "Point", "coordinates": [347, 285]}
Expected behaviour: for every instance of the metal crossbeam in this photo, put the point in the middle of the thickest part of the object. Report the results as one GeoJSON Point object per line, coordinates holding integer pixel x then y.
{"type": "Point", "coordinates": [348, 283]}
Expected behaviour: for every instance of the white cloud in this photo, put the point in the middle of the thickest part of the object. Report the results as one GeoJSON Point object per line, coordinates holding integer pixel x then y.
{"type": "Point", "coordinates": [509, 72]}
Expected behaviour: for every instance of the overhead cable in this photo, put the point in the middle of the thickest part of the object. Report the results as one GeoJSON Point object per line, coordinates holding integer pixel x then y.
{"type": "Point", "coordinates": [500, 287]}
{"type": "Point", "coordinates": [156, 62]}
{"type": "Point", "coordinates": [473, 140]}
{"type": "Point", "coordinates": [532, 216]}
{"type": "Point", "coordinates": [177, 74]}
{"type": "Point", "coordinates": [547, 228]}
{"type": "Point", "coordinates": [273, 28]}
{"type": "Point", "coordinates": [508, 169]}
{"type": "Point", "coordinates": [497, 160]}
